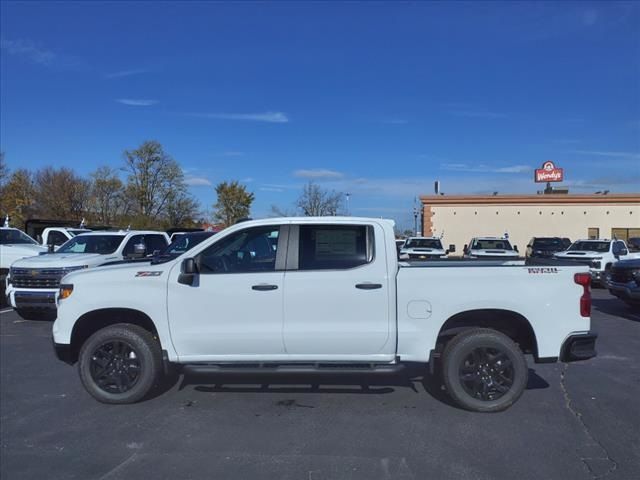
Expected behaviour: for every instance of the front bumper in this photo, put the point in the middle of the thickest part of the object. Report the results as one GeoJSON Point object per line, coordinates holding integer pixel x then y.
{"type": "Point", "coordinates": [32, 299]}
{"type": "Point", "coordinates": [63, 352]}
{"type": "Point", "coordinates": [580, 346]}
{"type": "Point", "coordinates": [627, 291]}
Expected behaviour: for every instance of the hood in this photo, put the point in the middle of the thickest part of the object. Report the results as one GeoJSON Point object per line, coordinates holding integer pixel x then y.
{"type": "Point", "coordinates": [432, 251]}
{"type": "Point", "coordinates": [624, 264]}
{"type": "Point", "coordinates": [578, 254]}
{"type": "Point", "coordinates": [61, 260]}
{"type": "Point", "coordinates": [10, 253]}
{"type": "Point", "coordinates": [494, 252]}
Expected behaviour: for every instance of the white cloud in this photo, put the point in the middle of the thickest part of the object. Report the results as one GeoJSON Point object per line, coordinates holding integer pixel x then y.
{"type": "Point", "coordinates": [465, 167]}
{"type": "Point", "coordinates": [269, 117]}
{"type": "Point", "coordinates": [126, 73]}
{"type": "Point", "coordinates": [271, 189]}
{"type": "Point", "coordinates": [137, 102]}
{"type": "Point", "coordinates": [28, 50]}
{"type": "Point", "coordinates": [632, 155]}
{"type": "Point", "coordinates": [193, 181]}
{"type": "Point", "coordinates": [478, 114]}
{"type": "Point", "coordinates": [318, 174]}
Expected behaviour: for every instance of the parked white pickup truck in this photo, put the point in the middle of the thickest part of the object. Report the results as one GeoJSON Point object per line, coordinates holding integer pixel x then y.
{"type": "Point", "coordinates": [14, 245]}
{"type": "Point", "coordinates": [33, 282]}
{"type": "Point", "coordinates": [424, 248]}
{"type": "Point", "coordinates": [57, 236]}
{"type": "Point", "coordinates": [323, 294]}
{"type": "Point", "coordinates": [599, 255]}
{"type": "Point", "coordinates": [491, 248]}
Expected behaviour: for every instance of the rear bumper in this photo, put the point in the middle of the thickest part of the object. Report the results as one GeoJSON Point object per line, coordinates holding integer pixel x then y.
{"type": "Point", "coordinates": [581, 346]}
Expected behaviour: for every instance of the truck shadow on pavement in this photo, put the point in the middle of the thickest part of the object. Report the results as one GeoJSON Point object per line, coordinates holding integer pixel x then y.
{"type": "Point", "coordinates": [326, 383]}
{"type": "Point", "coordinates": [617, 308]}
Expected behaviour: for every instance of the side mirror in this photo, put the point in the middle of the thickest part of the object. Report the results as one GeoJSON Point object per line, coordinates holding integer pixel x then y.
{"type": "Point", "coordinates": [51, 248]}
{"type": "Point", "coordinates": [624, 251]}
{"type": "Point", "coordinates": [465, 250]}
{"type": "Point", "coordinates": [515, 247]}
{"type": "Point", "coordinates": [188, 271]}
{"type": "Point", "coordinates": [452, 248]}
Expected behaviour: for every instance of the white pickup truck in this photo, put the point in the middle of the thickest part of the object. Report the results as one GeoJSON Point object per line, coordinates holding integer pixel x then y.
{"type": "Point", "coordinates": [599, 255]}
{"type": "Point", "coordinates": [57, 236]}
{"type": "Point", "coordinates": [32, 283]}
{"type": "Point", "coordinates": [320, 294]}
{"type": "Point", "coordinates": [491, 248]}
{"type": "Point", "coordinates": [424, 248]}
{"type": "Point", "coordinates": [14, 245]}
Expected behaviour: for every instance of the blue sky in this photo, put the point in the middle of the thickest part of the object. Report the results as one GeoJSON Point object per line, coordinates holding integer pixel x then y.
{"type": "Point", "coordinates": [375, 99]}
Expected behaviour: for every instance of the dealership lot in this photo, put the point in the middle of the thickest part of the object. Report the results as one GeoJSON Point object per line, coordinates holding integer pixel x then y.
{"type": "Point", "coordinates": [577, 421]}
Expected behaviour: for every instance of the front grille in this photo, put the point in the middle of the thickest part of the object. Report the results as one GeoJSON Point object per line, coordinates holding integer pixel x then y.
{"type": "Point", "coordinates": [37, 278]}
{"type": "Point", "coordinates": [620, 275]}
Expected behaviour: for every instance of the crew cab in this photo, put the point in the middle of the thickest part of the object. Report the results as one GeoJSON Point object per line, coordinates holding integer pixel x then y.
{"type": "Point", "coordinates": [491, 248]}
{"type": "Point", "coordinates": [545, 247]}
{"type": "Point", "coordinates": [56, 236]}
{"type": "Point", "coordinates": [424, 248]}
{"type": "Point", "coordinates": [320, 294]}
{"type": "Point", "coordinates": [599, 255]}
{"type": "Point", "coordinates": [624, 281]}
{"type": "Point", "coordinates": [33, 282]}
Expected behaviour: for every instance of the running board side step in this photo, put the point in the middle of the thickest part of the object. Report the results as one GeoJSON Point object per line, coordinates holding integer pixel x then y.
{"type": "Point", "coordinates": [342, 368]}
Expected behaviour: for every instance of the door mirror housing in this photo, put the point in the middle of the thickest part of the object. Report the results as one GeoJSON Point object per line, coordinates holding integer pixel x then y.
{"type": "Point", "coordinates": [452, 248]}
{"type": "Point", "coordinates": [466, 249]}
{"type": "Point", "coordinates": [515, 247]}
{"type": "Point", "coordinates": [139, 250]}
{"type": "Point", "coordinates": [51, 248]}
{"type": "Point", "coordinates": [188, 271]}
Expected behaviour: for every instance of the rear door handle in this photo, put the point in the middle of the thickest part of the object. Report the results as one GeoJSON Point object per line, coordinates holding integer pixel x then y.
{"type": "Point", "coordinates": [264, 287]}
{"type": "Point", "coordinates": [368, 286]}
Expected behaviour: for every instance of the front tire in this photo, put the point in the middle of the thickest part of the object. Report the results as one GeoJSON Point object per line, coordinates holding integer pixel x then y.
{"type": "Point", "coordinates": [484, 370]}
{"type": "Point", "coordinates": [120, 364]}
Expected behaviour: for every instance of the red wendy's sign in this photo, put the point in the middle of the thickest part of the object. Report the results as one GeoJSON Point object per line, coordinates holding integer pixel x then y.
{"type": "Point", "coordinates": [549, 173]}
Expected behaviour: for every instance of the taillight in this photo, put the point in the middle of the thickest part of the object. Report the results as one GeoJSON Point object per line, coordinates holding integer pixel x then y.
{"type": "Point", "coordinates": [584, 279]}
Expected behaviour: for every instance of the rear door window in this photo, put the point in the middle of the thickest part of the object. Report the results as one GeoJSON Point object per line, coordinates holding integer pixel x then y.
{"type": "Point", "coordinates": [334, 247]}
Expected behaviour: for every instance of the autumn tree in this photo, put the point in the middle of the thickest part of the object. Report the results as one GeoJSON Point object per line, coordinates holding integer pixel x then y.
{"type": "Point", "coordinates": [4, 171]}
{"type": "Point", "coordinates": [315, 201]}
{"type": "Point", "coordinates": [61, 194]}
{"type": "Point", "coordinates": [182, 210]}
{"type": "Point", "coordinates": [233, 203]}
{"type": "Point", "coordinates": [17, 197]}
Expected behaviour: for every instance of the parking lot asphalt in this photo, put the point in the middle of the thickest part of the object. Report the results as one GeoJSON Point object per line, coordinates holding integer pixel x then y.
{"type": "Point", "coordinates": [576, 421]}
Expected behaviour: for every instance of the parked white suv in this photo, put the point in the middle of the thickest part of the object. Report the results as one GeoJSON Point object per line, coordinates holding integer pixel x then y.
{"type": "Point", "coordinates": [599, 255]}
{"type": "Point", "coordinates": [320, 294]}
{"type": "Point", "coordinates": [491, 248]}
{"type": "Point", "coordinates": [33, 282]}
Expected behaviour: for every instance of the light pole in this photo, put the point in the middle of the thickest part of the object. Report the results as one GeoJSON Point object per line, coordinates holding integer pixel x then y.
{"type": "Point", "coordinates": [415, 221]}
{"type": "Point", "coordinates": [347, 196]}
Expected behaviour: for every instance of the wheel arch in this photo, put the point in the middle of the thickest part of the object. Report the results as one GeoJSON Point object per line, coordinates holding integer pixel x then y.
{"type": "Point", "coordinates": [513, 324]}
{"type": "Point", "coordinates": [91, 322]}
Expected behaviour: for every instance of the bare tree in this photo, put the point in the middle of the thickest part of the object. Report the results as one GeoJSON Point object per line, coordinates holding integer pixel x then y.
{"type": "Point", "coordinates": [318, 202]}
{"type": "Point", "coordinates": [109, 200]}
{"type": "Point", "coordinates": [182, 210]}
{"type": "Point", "coordinates": [153, 177]}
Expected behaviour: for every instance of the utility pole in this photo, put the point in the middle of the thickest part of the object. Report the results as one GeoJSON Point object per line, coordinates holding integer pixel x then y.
{"type": "Point", "coordinates": [415, 220]}
{"type": "Point", "coordinates": [347, 196]}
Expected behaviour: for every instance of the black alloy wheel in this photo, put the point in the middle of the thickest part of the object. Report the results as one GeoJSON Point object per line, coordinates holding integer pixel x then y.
{"type": "Point", "coordinates": [486, 373]}
{"type": "Point", "coordinates": [115, 367]}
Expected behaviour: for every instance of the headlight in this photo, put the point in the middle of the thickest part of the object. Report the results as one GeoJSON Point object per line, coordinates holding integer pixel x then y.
{"type": "Point", "coordinates": [65, 291]}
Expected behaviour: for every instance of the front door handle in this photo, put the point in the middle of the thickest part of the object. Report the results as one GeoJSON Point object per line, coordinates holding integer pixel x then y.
{"type": "Point", "coordinates": [368, 286]}
{"type": "Point", "coordinates": [264, 287]}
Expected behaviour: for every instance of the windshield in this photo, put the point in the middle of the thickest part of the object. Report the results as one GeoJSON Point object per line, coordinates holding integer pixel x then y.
{"type": "Point", "coordinates": [590, 246]}
{"type": "Point", "coordinates": [490, 244]}
{"type": "Point", "coordinates": [555, 243]}
{"type": "Point", "coordinates": [423, 243]}
{"type": "Point", "coordinates": [13, 236]}
{"type": "Point", "coordinates": [185, 242]}
{"type": "Point", "coordinates": [102, 244]}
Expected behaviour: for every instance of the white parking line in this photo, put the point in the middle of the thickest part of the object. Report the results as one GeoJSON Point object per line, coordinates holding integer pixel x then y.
{"type": "Point", "coordinates": [6, 310]}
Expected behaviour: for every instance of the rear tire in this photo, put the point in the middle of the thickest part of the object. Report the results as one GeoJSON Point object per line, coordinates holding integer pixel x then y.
{"type": "Point", "coordinates": [484, 370]}
{"type": "Point", "coordinates": [120, 364]}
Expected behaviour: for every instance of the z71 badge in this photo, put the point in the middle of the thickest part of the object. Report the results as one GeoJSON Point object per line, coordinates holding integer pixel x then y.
{"type": "Point", "coordinates": [543, 270]}
{"type": "Point", "coordinates": [149, 274]}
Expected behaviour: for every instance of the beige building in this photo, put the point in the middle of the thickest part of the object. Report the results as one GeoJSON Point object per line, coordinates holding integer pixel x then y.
{"type": "Point", "coordinates": [462, 217]}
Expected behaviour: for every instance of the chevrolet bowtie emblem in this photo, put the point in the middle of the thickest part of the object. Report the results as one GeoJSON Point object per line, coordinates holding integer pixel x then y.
{"type": "Point", "coordinates": [34, 273]}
